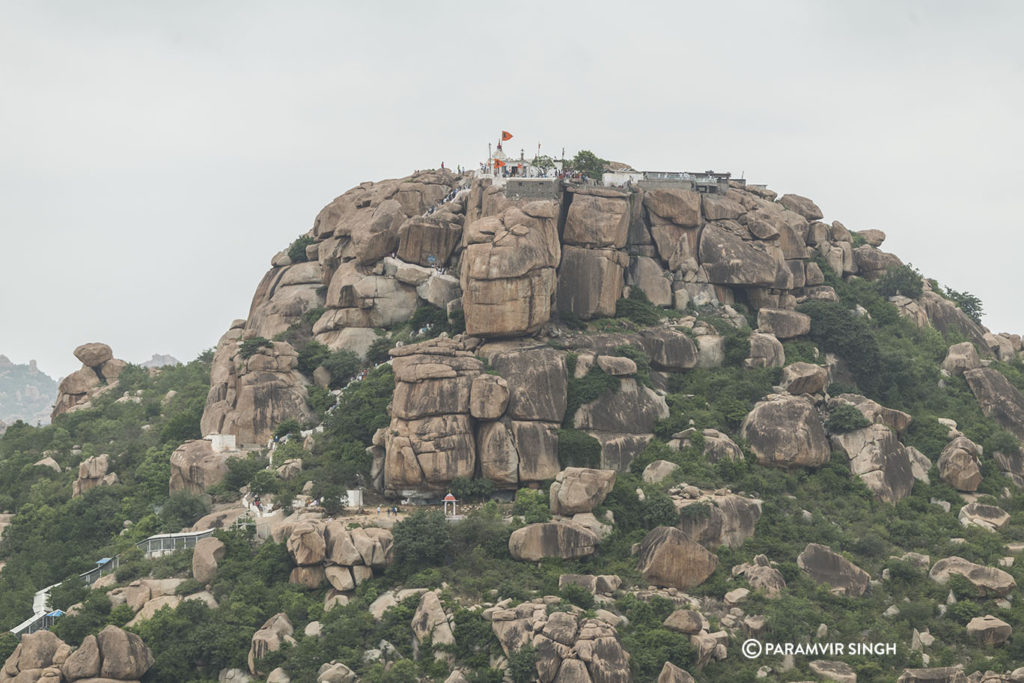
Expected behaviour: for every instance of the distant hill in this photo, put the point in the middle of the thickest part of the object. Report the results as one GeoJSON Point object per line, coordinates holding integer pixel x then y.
{"type": "Point", "coordinates": [26, 393]}
{"type": "Point", "coordinates": [159, 360]}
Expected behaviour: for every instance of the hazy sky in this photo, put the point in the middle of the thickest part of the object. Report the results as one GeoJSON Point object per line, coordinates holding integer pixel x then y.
{"type": "Point", "coordinates": [154, 156]}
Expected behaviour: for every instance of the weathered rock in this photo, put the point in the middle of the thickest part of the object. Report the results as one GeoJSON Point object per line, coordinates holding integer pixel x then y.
{"type": "Point", "coordinates": [590, 281]}
{"type": "Point", "coordinates": [989, 517]}
{"type": "Point", "coordinates": [680, 207]}
{"type": "Point", "coordinates": [249, 397]}
{"type": "Point", "coordinates": [920, 465]}
{"type": "Point", "coordinates": [875, 412]}
{"type": "Point", "coordinates": [961, 357]}
{"type": "Point", "coordinates": [617, 366]}
{"type": "Point", "coordinates": [873, 263]}
{"type": "Point", "coordinates": [801, 205]}
{"type": "Point", "coordinates": [766, 351]}
{"type": "Point", "coordinates": [597, 221]}
{"type": "Point", "coordinates": [551, 539]}
{"type": "Point", "coordinates": [786, 431]}
{"type": "Point", "coordinates": [208, 551]}
{"type": "Point", "coordinates": [538, 382]}
{"type": "Point", "coordinates": [428, 240]}
{"type": "Point", "coordinates": [93, 472]}
{"type": "Point", "coordinates": [633, 409]}
{"type": "Point", "coordinates": [669, 558]}
{"type": "Point", "coordinates": [990, 580]}
{"type": "Point", "coordinates": [275, 632]}
{"type": "Point", "coordinates": [669, 350]}
{"type": "Point", "coordinates": [431, 622]}
{"type": "Point", "coordinates": [153, 606]}
{"type": "Point", "coordinates": [508, 274]}
{"type": "Point", "coordinates": [124, 656]}
{"type": "Point", "coordinates": [729, 260]}
{"type": "Point", "coordinates": [959, 464]}
{"type": "Point", "coordinates": [670, 673]}
{"type": "Point", "coordinates": [648, 276]}
{"type": "Point", "coordinates": [761, 575]}
{"type": "Point", "coordinates": [998, 399]}
{"type": "Point", "coordinates": [840, 672]}
{"type": "Point", "coordinates": [84, 662]}
{"type": "Point", "coordinates": [825, 566]}
{"type": "Point", "coordinates": [782, 323]}
{"type": "Point", "coordinates": [658, 471]}
{"type": "Point", "coordinates": [988, 630]}
{"type": "Point", "coordinates": [35, 652]}
{"type": "Point", "coordinates": [488, 397]}
{"type": "Point", "coordinates": [310, 576]}
{"type": "Point", "coordinates": [804, 378]}
{"type": "Point", "coordinates": [945, 674]}
{"type": "Point", "coordinates": [93, 354]}
{"type": "Point", "coordinates": [686, 621]}
{"type": "Point", "coordinates": [879, 459]}
{"type": "Point", "coordinates": [580, 489]}
{"type": "Point", "coordinates": [335, 672]}
{"type": "Point", "coordinates": [723, 518]}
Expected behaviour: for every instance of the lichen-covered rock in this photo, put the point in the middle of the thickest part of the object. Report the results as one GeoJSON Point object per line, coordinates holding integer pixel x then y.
{"type": "Point", "coordinates": [766, 351]}
{"type": "Point", "coordinates": [720, 518]}
{"type": "Point", "coordinates": [633, 409]}
{"type": "Point", "coordinates": [988, 517]}
{"type": "Point", "coordinates": [667, 557]}
{"type": "Point", "coordinates": [580, 489]}
{"type": "Point", "coordinates": [782, 323]}
{"type": "Point", "coordinates": [998, 399]}
{"type": "Point", "coordinates": [729, 260]}
{"type": "Point", "coordinates": [538, 382]}
{"type": "Point", "coordinates": [275, 632]}
{"type": "Point", "coordinates": [786, 431]}
{"type": "Point", "coordinates": [196, 466]}
{"type": "Point", "coordinates": [804, 378]}
{"type": "Point", "coordinates": [990, 580]}
{"type": "Point", "coordinates": [566, 540]}
{"type": "Point", "coordinates": [879, 459]}
{"type": "Point", "coordinates": [825, 566]}
{"type": "Point", "coordinates": [959, 464]}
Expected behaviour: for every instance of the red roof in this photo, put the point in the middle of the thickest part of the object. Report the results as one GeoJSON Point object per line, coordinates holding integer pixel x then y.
{"type": "Point", "coordinates": [449, 497]}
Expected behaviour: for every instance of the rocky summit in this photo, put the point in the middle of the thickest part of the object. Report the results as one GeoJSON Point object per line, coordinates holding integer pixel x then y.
{"type": "Point", "coordinates": [536, 426]}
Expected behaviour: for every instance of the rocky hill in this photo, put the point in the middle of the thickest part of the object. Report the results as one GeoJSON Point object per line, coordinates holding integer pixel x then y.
{"type": "Point", "coordinates": [674, 421]}
{"type": "Point", "coordinates": [26, 392]}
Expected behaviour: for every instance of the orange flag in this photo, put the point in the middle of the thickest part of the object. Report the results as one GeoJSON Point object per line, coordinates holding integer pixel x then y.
{"type": "Point", "coordinates": [498, 163]}
{"type": "Point", "coordinates": [505, 136]}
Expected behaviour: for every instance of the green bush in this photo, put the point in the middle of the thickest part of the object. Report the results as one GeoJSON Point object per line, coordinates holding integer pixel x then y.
{"type": "Point", "coordinates": [578, 449]}
{"type": "Point", "coordinates": [902, 280]}
{"type": "Point", "coordinates": [845, 418]}
{"type": "Point", "coordinates": [522, 665]}
{"type": "Point", "coordinates": [638, 309]}
{"type": "Point", "coordinates": [343, 365]}
{"type": "Point", "coordinates": [586, 389]}
{"type": "Point", "coordinates": [421, 540]}
{"type": "Point", "coordinates": [252, 345]}
{"type": "Point", "coordinates": [288, 427]}
{"type": "Point", "coordinates": [532, 506]}
{"type": "Point", "coordinates": [470, 490]}
{"type": "Point", "coordinates": [577, 595]}
{"type": "Point", "coordinates": [968, 303]}
{"type": "Point", "coordinates": [297, 250]}
{"type": "Point", "coordinates": [312, 355]}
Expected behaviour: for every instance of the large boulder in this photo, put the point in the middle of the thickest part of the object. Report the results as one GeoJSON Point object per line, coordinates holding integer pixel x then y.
{"type": "Point", "coordinates": [633, 409]}
{"type": "Point", "coordinates": [488, 397]}
{"type": "Point", "coordinates": [876, 412]}
{"type": "Point", "coordinates": [275, 632]}
{"type": "Point", "coordinates": [33, 654]}
{"type": "Point", "coordinates": [879, 459]}
{"type": "Point", "coordinates": [590, 281]}
{"type": "Point", "coordinates": [594, 221]}
{"type": "Point", "coordinates": [782, 323]}
{"type": "Point", "coordinates": [92, 472]}
{"type": "Point", "coordinates": [988, 517]}
{"type": "Point", "coordinates": [959, 464]}
{"type": "Point", "coordinates": [786, 431]}
{"type": "Point", "coordinates": [825, 566]}
{"type": "Point", "coordinates": [196, 466]}
{"type": "Point", "coordinates": [654, 282]}
{"type": "Point", "coordinates": [508, 270]}
{"type": "Point", "coordinates": [801, 205]}
{"type": "Point", "coordinates": [566, 540]}
{"type": "Point", "coordinates": [85, 662]}
{"type": "Point", "coordinates": [729, 260]}
{"type": "Point", "coordinates": [93, 354]}
{"type": "Point", "coordinates": [538, 382]}
{"type": "Point", "coordinates": [430, 622]}
{"type": "Point", "coordinates": [124, 656]}
{"type": "Point", "coordinates": [669, 350]}
{"type": "Point", "coordinates": [804, 378]}
{"type": "Point", "coordinates": [989, 580]}
{"type": "Point", "coordinates": [960, 358]}
{"type": "Point", "coordinates": [998, 399]}
{"type": "Point", "coordinates": [667, 557]}
{"type": "Point", "coordinates": [580, 489]}
{"type": "Point", "coordinates": [205, 556]}
{"type": "Point", "coordinates": [988, 630]}
{"type": "Point", "coordinates": [720, 518]}
{"type": "Point", "coordinates": [670, 673]}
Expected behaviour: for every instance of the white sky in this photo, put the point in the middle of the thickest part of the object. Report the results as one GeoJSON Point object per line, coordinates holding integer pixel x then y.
{"type": "Point", "coordinates": [154, 156]}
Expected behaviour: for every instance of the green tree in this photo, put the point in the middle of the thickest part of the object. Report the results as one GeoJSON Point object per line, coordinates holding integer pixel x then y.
{"type": "Point", "coordinates": [588, 163]}
{"type": "Point", "coordinates": [421, 540]}
{"type": "Point", "coordinates": [903, 280]}
{"type": "Point", "coordinates": [968, 303]}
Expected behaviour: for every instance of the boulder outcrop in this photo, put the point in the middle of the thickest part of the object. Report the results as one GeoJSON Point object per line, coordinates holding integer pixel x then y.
{"type": "Point", "coordinates": [959, 464]}
{"type": "Point", "coordinates": [275, 632]}
{"type": "Point", "coordinates": [196, 466]}
{"type": "Point", "coordinates": [205, 556]}
{"type": "Point", "coordinates": [667, 557]}
{"type": "Point", "coordinates": [825, 566]}
{"type": "Point", "coordinates": [36, 656]}
{"type": "Point", "coordinates": [566, 540]}
{"type": "Point", "coordinates": [989, 580]}
{"type": "Point", "coordinates": [98, 374]}
{"type": "Point", "coordinates": [93, 472]}
{"type": "Point", "coordinates": [579, 489]}
{"type": "Point", "coordinates": [997, 398]}
{"type": "Point", "coordinates": [879, 459]}
{"type": "Point", "coordinates": [716, 518]}
{"type": "Point", "coordinates": [786, 431]}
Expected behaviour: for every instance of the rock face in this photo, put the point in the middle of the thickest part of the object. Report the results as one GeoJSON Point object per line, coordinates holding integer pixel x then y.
{"type": "Point", "coordinates": [988, 630]}
{"type": "Point", "coordinates": [669, 558]}
{"type": "Point", "coordinates": [275, 632]}
{"type": "Point", "coordinates": [508, 270]}
{"type": "Point", "coordinates": [196, 466]}
{"type": "Point", "coordinates": [248, 397]}
{"type": "Point", "coordinates": [341, 556]}
{"type": "Point", "coordinates": [804, 378]}
{"type": "Point", "coordinates": [98, 374]}
{"type": "Point", "coordinates": [783, 324]}
{"type": "Point", "coordinates": [92, 472]}
{"type": "Point", "coordinates": [580, 489]}
{"type": "Point", "coordinates": [959, 464]}
{"type": "Point", "coordinates": [875, 412]}
{"type": "Point", "coordinates": [430, 440]}
{"type": "Point", "coordinates": [761, 575]}
{"type": "Point", "coordinates": [960, 358]}
{"type": "Point", "coordinates": [825, 566]}
{"type": "Point", "coordinates": [987, 517]}
{"type": "Point", "coordinates": [431, 622]}
{"type": "Point", "coordinates": [879, 459]}
{"type": "Point", "coordinates": [123, 655]}
{"type": "Point", "coordinates": [207, 553]}
{"type": "Point", "coordinates": [570, 647]}
{"type": "Point", "coordinates": [38, 653]}
{"type": "Point", "coordinates": [990, 580]}
{"type": "Point", "coordinates": [998, 399]}
{"type": "Point", "coordinates": [551, 539]}
{"type": "Point", "coordinates": [786, 431]}
{"type": "Point", "coordinates": [715, 518]}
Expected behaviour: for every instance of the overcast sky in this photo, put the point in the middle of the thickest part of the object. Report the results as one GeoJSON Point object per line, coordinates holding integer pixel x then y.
{"type": "Point", "coordinates": [154, 156]}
